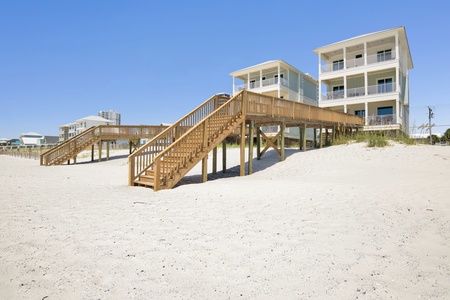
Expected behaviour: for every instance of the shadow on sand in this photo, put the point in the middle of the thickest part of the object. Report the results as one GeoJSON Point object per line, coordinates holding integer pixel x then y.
{"type": "Point", "coordinates": [269, 159]}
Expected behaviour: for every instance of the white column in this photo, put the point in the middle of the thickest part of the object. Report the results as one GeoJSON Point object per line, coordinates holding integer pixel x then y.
{"type": "Point", "coordinates": [345, 58]}
{"type": "Point", "coordinates": [248, 81]}
{"type": "Point", "coordinates": [366, 84]}
{"type": "Point", "coordinates": [260, 78]}
{"type": "Point", "coordinates": [365, 53]}
{"type": "Point", "coordinates": [366, 111]}
{"type": "Point", "coordinates": [320, 63]}
{"type": "Point", "coordinates": [397, 79]}
{"type": "Point", "coordinates": [320, 90]}
{"type": "Point", "coordinates": [345, 108]}
{"type": "Point", "coordinates": [397, 54]}
{"type": "Point", "coordinates": [234, 85]}
{"type": "Point", "coordinates": [345, 86]}
{"type": "Point", "coordinates": [397, 111]}
{"type": "Point", "coordinates": [279, 80]}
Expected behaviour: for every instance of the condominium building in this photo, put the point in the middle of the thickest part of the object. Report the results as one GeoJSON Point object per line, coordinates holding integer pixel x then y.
{"type": "Point", "coordinates": [368, 76]}
{"type": "Point", "coordinates": [110, 115]}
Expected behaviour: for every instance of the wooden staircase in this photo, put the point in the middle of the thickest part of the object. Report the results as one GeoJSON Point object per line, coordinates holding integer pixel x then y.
{"type": "Point", "coordinates": [70, 148]}
{"type": "Point", "coordinates": [182, 147]}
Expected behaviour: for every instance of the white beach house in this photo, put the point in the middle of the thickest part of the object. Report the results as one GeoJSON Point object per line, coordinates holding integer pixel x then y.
{"type": "Point", "coordinates": [368, 76]}
{"type": "Point", "coordinates": [72, 129]}
{"type": "Point", "coordinates": [277, 78]}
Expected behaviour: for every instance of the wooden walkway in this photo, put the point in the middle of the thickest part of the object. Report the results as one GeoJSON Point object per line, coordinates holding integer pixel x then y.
{"type": "Point", "coordinates": [170, 155]}
{"type": "Point", "coordinates": [97, 135]}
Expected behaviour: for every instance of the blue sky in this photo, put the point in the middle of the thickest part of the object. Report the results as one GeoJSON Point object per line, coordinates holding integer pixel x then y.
{"type": "Point", "coordinates": [154, 61]}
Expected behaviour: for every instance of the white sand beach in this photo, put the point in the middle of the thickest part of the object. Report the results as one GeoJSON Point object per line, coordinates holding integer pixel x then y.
{"type": "Point", "coordinates": [343, 222]}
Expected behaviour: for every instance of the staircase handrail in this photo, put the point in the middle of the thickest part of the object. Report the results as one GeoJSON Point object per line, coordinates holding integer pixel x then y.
{"type": "Point", "coordinates": [197, 138]}
{"type": "Point", "coordinates": [142, 159]}
{"type": "Point", "coordinates": [46, 156]}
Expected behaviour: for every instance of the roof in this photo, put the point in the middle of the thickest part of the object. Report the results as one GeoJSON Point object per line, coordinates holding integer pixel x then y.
{"type": "Point", "coordinates": [95, 118]}
{"type": "Point", "coordinates": [267, 64]}
{"type": "Point", "coordinates": [31, 134]}
{"type": "Point", "coordinates": [351, 41]}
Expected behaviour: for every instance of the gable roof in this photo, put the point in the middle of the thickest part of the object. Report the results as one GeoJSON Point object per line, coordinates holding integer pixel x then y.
{"type": "Point", "coordinates": [95, 118]}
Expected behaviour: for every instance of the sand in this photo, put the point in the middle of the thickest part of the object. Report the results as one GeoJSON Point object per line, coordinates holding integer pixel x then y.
{"type": "Point", "coordinates": [343, 222]}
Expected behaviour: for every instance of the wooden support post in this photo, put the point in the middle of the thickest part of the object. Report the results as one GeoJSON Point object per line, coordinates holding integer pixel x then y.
{"type": "Point", "coordinates": [157, 180]}
{"type": "Point", "coordinates": [320, 137]}
{"type": "Point", "coordinates": [326, 136]}
{"type": "Point", "coordinates": [224, 156]}
{"type": "Point", "coordinates": [100, 151]}
{"type": "Point", "coordinates": [300, 141]}
{"type": "Point", "coordinates": [130, 142]}
{"type": "Point", "coordinates": [334, 134]}
{"type": "Point", "coordinates": [258, 143]}
{"type": "Point", "coordinates": [92, 153]}
{"type": "Point", "coordinates": [283, 128]}
{"type": "Point", "coordinates": [205, 168]}
{"type": "Point", "coordinates": [75, 160]}
{"type": "Point", "coordinates": [242, 152]}
{"type": "Point", "coordinates": [304, 137]}
{"type": "Point", "coordinates": [214, 160]}
{"type": "Point", "coordinates": [107, 150]}
{"type": "Point", "coordinates": [315, 137]}
{"type": "Point", "coordinates": [250, 147]}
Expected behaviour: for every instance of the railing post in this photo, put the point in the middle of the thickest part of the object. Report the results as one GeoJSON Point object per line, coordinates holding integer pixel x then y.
{"type": "Point", "coordinates": [205, 134]}
{"type": "Point", "coordinates": [157, 179]}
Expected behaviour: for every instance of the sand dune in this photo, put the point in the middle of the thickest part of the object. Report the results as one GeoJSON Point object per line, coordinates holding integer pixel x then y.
{"type": "Point", "coordinates": [343, 222]}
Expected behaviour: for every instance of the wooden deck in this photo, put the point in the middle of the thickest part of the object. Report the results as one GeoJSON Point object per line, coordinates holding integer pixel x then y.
{"type": "Point", "coordinates": [97, 135]}
{"type": "Point", "coordinates": [170, 155]}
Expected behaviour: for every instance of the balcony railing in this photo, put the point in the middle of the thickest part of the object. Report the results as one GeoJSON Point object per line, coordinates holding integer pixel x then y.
{"type": "Point", "coordinates": [381, 120]}
{"type": "Point", "coordinates": [360, 91]}
{"type": "Point", "coordinates": [357, 62]}
{"type": "Point", "coordinates": [257, 84]}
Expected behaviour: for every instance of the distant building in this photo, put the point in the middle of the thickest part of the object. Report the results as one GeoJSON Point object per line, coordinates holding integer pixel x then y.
{"type": "Point", "coordinates": [110, 115]}
{"type": "Point", "coordinates": [72, 129]}
{"type": "Point", "coordinates": [31, 139]}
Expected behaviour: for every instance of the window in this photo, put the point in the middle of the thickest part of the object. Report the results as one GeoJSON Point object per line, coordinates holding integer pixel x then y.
{"type": "Point", "coordinates": [338, 91]}
{"type": "Point", "coordinates": [384, 55]}
{"type": "Point", "coordinates": [276, 77]}
{"type": "Point", "coordinates": [384, 85]}
{"type": "Point", "coordinates": [361, 113]}
{"type": "Point", "coordinates": [252, 84]}
{"type": "Point", "coordinates": [338, 64]}
{"type": "Point", "coordinates": [387, 110]}
{"type": "Point", "coordinates": [358, 56]}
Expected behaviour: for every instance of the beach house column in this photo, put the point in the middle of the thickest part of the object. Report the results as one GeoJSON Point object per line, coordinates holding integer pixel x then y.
{"type": "Point", "coordinates": [397, 52]}
{"type": "Point", "coordinates": [345, 60]}
{"type": "Point", "coordinates": [279, 81]}
{"type": "Point", "coordinates": [242, 151]}
{"type": "Point", "coordinates": [397, 111]}
{"type": "Point", "coordinates": [224, 156]}
{"type": "Point", "coordinates": [283, 128]}
{"type": "Point", "coordinates": [345, 86]}
{"type": "Point", "coordinates": [234, 85]}
{"type": "Point", "coordinates": [365, 54]}
{"type": "Point", "coordinates": [260, 78]}
{"type": "Point", "coordinates": [258, 142]}
{"type": "Point", "coordinates": [320, 63]}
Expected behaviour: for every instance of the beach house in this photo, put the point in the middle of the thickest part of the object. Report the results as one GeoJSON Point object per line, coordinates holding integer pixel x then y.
{"type": "Point", "coordinates": [279, 79]}
{"type": "Point", "coordinates": [368, 76]}
{"type": "Point", "coordinates": [276, 78]}
{"type": "Point", "coordinates": [72, 129]}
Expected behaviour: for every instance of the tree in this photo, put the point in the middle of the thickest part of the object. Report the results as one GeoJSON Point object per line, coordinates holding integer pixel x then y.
{"type": "Point", "coordinates": [446, 136]}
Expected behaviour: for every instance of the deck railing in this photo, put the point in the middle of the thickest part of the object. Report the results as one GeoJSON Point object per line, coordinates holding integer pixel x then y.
{"type": "Point", "coordinates": [382, 120]}
{"type": "Point", "coordinates": [96, 133]}
{"type": "Point", "coordinates": [357, 62]}
{"type": "Point", "coordinates": [68, 146]}
{"type": "Point", "coordinates": [258, 104]}
{"type": "Point", "coordinates": [142, 159]}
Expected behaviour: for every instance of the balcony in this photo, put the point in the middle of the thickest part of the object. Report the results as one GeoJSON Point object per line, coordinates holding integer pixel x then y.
{"type": "Point", "coordinates": [381, 120]}
{"type": "Point", "coordinates": [357, 62]}
{"type": "Point", "coordinates": [264, 83]}
{"type": "Point", "coordinates": [360, 91]}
